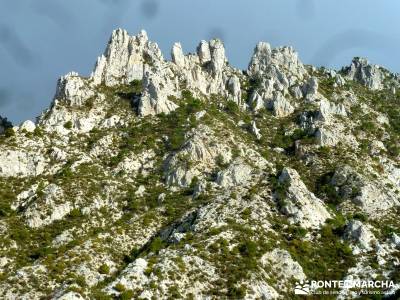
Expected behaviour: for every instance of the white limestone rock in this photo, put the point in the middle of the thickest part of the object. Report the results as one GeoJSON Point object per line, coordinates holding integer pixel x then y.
{"type": "Point", "coordinates": [339, 80]}
{"type": "Point", "coordinates": [333, 133]}
{"type": "Point", "coordinates": [155, 98]}
{"type": "Point", "coordinates": [376, 147]}
{"type": "Point", "coordinates": [21, 163]}
{"type": "Point", "coordinates": [282, 65]}
{"type": "Point", "coordinates": [177, 55]}
{"type": "Point", "coordinates": [256, 102]}
{"type": "Point", "coordinates": [359, 233]}
{"type": "Point", "coordinates": [133, 164]}
{"type": "Point", "coordinates": [60, 118]}
{"type": "Point", "coordinates": [280, 106]}
{"type": "Point", "coordinates": [261, 290]}
{"type": "Point", "coordinates": [27, 126]}
{"type": "Point", "coordinates": [371, 196]}
{"type": "Point", "coordinates": [70, 296]}
{"type": "Point", "coordinates": [196, 158]}
{"type": "Point", "coordinates": [133, 276]}
{"type": "Point", "coordinates": [327, 110]}
{"type": "Point", "coordinates": [255, 130]}
{"type": "Point", "coordinates": [396, 239]}
{"type": "Point", "coordinates": [62, 239]}
{"type": "Point", "coordinates": [310, 89]}
{"type": "Point", "coordinates": [301, 206]}
{"type": "Point", "coordinates": [49, 208]}
{"type": "Point", "coordinates": [237, 174]}
{"type": "Point", "coordinates": [234, 89]}
{"type": "Point", "coordinates": [74, 89]}
{"type": "Point", "coordinates": [283, 264]}
{"type": "Point", "coordinates": [126, 58]}
{"type": "Point", "coordinates": [297, 92]}
{"type": "Point", "coordinates": [367, 74]}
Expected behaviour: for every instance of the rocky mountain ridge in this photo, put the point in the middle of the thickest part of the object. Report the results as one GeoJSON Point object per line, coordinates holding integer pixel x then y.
{"type": "Point", "coordinates": [189, 178]}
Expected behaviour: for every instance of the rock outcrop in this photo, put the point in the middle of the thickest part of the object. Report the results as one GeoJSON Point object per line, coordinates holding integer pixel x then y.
{"type": "Point", "coordinates": [357, 232]}
{"type": "Point", "coordinates": [367, 74]}
{"type": "Point", "coordinates": [19, 163]}
{"type": "Point", "coordinates": [300, 205]}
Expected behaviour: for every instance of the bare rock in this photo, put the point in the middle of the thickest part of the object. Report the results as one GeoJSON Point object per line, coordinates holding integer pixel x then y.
{"type": "Point", "coordinates": [22, 163]}
{"type": "Point", "coordinates": [367, 74]}
{"type": "Point", "coordinates": [301, 205]}
{"type": "Point", "coordinates": [359, 233]}
{"type": "Point", "coordinates": [237, 174]}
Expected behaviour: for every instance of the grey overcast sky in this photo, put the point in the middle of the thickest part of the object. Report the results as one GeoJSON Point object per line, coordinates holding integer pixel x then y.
{"type": "Point", "coordinates": [40, 40]}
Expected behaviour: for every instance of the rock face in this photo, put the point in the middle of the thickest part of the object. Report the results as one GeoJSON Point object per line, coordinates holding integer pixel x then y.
{"type": "Point", "coordinates": [370, 196]}
{"type": "Point", "coordinates": [282, 64]}
{"type": "Point", "coordinates": [74, 89]}
{"type": "Point", "coordinates": [190, 179]}
{"type": "Point", "coordinates": [15, 163]}
{"type": "Point", "coordinates": [136, 58]}
{"type": "Point", "coordinates": [362, 71]}
{"type": "Point", "coordinates": [125, 58]}
{"type": "Point", "coordinates": [238, 173]}
{"type": "Point", "coordinates": [197, 157]}
{"type": "Point", "coordinates": [301, 206]}
{"type": "Point", "coordinates": [280, 106]}
{"type": "Point", "coordinates": [285, 264]}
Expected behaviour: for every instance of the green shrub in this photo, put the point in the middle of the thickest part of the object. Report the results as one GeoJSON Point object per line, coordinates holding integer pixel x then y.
{"type": "Point", "coordinates": [231, 107]}
{"type": "Point", "coordinates": [360, 216]}
{"type": "Point", "coordinates": [104, 269]}
{"type": "Point", "coordinates": [156, 245]}
{"type": "Point", "coordinates": [68, 125]}
{"type": "Point", "coordinates": [126, 295]}
{"type": "Point", "coordinates": [119, 287]}
{"type": "Point", "coordinates": [9, 132]}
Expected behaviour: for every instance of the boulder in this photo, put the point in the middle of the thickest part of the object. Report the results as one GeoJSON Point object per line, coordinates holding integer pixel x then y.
{"type": "Point", "coordinates": [300, 205]}
{"type": "Point", "coordinates": [327, 110]}
{"type": "Point", "coordinates": [280, 106]}
{"type": "Point", "coordinates": [237, 174]}
{"type": "Point", "coordinates": [27, 126]}
{"type": "Point", "coordinates": [284, 264]}
{"type": "Point", "coordinates": [359, 233]}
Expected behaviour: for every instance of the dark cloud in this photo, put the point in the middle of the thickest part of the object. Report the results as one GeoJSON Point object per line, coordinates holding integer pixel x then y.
{"type": "Point", "coordinates": [305, 9]}
{"type": "Point", "coordinates": [354, 38]}
{"type": "Point", "coordinates": [114, 13]}
{"type": "Point", "coordinates": [5, 97]}
{"type": "Point", "coordinates": [56, 12]}
{"type": "Point", "coordinates": [149, 8]}
{"type": "Point", "coordinates": [15, 47]}
{"type": "Point", "coordinates": [216, 32]}
{"type": "Point", "coordinates": [111, 2]}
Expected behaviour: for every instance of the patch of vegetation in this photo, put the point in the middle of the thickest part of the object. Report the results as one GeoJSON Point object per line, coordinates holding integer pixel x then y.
{"type": "Point", "coordinates": [326, 257]}
{"type": "Point", "coordinates": [104, 269]}
{"type": "Point", "coordinates": [68, 125]}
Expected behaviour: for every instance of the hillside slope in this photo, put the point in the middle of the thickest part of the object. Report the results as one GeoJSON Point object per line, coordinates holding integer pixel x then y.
{"type": "Point", "coordinates": [189, 178]}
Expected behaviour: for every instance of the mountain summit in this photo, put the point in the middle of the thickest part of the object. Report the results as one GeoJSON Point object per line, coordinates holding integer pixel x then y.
{"type": "Point", "coordinates": [189, 178]}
